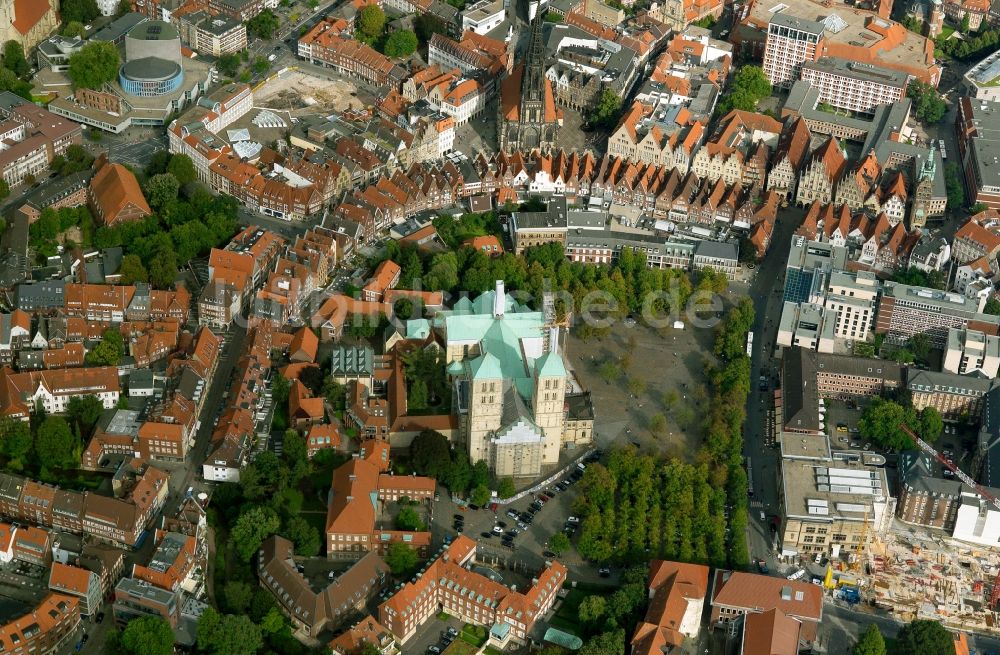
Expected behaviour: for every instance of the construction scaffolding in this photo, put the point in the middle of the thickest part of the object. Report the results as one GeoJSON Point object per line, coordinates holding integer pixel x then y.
{"type": "Point", "coordinates": [925, 576]}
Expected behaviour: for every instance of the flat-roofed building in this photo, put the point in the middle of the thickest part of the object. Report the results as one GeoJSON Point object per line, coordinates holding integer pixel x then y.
{"type": "Point", "coordinates": [905, 311]}
{"type": "Point", "coordinates": [830, 500]}
{"type": "Point", "coordinates": [853, 85]}
{"type": "Point", "coordinates": [971, 350]}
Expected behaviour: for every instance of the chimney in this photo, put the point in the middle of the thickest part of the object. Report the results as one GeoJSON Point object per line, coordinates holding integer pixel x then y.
{"type": "Point", "coordinates": [499, 301]}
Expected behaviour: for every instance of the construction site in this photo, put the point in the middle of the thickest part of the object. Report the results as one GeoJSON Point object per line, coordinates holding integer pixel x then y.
{"type": "Point", "coordinates": [914, 573]}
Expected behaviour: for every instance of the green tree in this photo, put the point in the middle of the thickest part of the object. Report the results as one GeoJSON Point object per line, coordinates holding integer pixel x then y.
{"type": "Point", "coordinates": [273, 622]}
{"type": "Point", "coordinates": [408, 519]}
{"type": "Point", "coordinates": [401, 43]}
{"type": "Point", "coordinates": [149, 635]}
{"type": "Point", "coordinates": [401, 558]}
{"type": "Point", "coordinates": [80, 11]}
{"type": "Point", "coordinates": [55, 445]}
{"type": "Point", "coordinates": [928, 105]}
{"type": "Point", "coordinates": [430, 454]}
{"type": "Point", "coordinates": [871, 642]}
{"type": "Point", "coordinates": [606, 113]}
{"type": "Point", "coordinates": [371, 22]}
{"type": "Point", "coordinates": [923, 637]}
{"type": "Point", "coordinates": [15, 441]}
{"type": "Point", "coordinates": [109, 351]}
{"type": "Point", "coordinates": [13, 58]}
{"type": "Point", "coordinates": [264, 24]}
{"type": "Point", "coordinates": [261, 66]}
{"type": "Point", "coordinates": [480, 495]}
{"type": "Point", "coordinates": [4, 189]}
{"type": "Point", "coordinates": [74, 28]}
{"type": "Point", "coordinates": [124, 7]}
{"type": "Point", "coordinates": [236, 596]}
{"type": "Point", "coordinates": [609, 371]}
{"type": "Point", "coordinates": [252, 527]}
{"type": "Point", "coordinates": [506, 488]}
{"type": "Point", "coordinates": [228, 634]}
{"type": "Point", "coordinates": [229, 65]}
{"type": "Point", "coordinates": [964, 27]}
{"type": "Point", "coordinates": [427, 25]}
{"type": "Point", "coordinates": [94, 65]}
{"type": "Point", "coordinates": [881, 422]}
{"type": "Point", "coordinates": [559, 543]}
{"type": "Point", "coordinates": [931, 425]}
{"type": "Point", "coordinates": [182, 168]}
{"type": "Point", "coordinates": [657, 424]}
{"type": "Point", "coordinates": [992, 306]}
{"type": "Point", "coordinates": [163, 269]}
{"type": "Point", "coordinates": [592, 608]}
{"type": "Point", "coordinates": [954, 188]}
{"type": "Point", "coordinates": [132, 270]}
{"type": "Point", "coordinates": [162, 189]}
{"type": "Point", "coordinates": [84, 411]}
{"type": "Point", "coordinates": [303, 535]}
{"type": "Point", "coordinates": [606, 643]}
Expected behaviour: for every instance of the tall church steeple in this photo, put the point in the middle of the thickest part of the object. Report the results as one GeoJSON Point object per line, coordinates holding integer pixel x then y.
{"type": "Point", "coordinates": [533, 82]}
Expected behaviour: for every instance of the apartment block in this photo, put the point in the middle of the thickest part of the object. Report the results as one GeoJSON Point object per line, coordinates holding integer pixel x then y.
{"type": "Point", "coordinates": [448, 584]}
{"type": "Point", "coordinates": [210, 35]}
{"type": "Point", "coordinates": [309, 610]}
{"type": "Point", "coordinates": [790, 43]}
{"type": "Point", "coordinates": [134, 599]}
{"type": "Point", "coordinates": [78, 582]}
{"type": "Point", "coordinates": [907, 310]}
{"type": "Point", "coordinates": [34, 137]}
{"type": "Point", "coordinates": [855, 86]}
{"type": "Point", "coordinates": [977, 124]}
{"type": "Point", "coordinates": [49, 629]}
{"type": "Point", "coordinates": [971, 350]}
{"type": "Point", "coordinates": [735, 595]}
{"type": "Point", "coordinates": [924, 497]}
{"type": "Point", "coordinates": [956, 397]}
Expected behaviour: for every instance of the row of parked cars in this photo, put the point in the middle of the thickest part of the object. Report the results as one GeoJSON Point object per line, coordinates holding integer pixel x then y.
{"type": "Point", "coordinates": [447, 636]}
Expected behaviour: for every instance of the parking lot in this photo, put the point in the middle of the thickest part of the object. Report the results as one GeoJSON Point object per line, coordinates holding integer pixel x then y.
{"type": "Point", "coordinates": [514, 540]}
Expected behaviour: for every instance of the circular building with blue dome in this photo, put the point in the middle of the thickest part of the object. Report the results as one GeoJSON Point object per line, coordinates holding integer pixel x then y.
{"type": "Point", "coordinates": [150, 76]}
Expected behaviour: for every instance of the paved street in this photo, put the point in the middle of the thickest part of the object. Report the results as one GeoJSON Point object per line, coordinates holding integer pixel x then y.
{"type": "Point", "coordinates": [765, 290]}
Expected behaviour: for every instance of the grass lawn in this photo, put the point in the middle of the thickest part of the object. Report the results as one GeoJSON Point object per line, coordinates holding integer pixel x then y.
{"type": "Point", "coordinates": [459, 647]}
{"type": "Point", "coordinates": [443, 616]}
{"type": "Point", "coordinates": [945, 33]}
{"type": "Point", "coordinates": [566, 617]}
{"type": "Point", "coordinates": [474, 635]}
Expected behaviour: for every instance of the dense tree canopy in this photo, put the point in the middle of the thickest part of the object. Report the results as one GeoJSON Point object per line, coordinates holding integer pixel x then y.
{"type": "Point", "coordinates": [924, 637]}
{"type": "Point", "coordinates": [748, 87]}
{"type": "Point", "coordinates": [80, 11]}
{"type": "Point", "coordinates": [13, 58]}
{"type": "Point", "coordinates": [881, 422]}
{"type": "Point", "coordinates": [871, 642]}
{"type": "Point", "coordinates": [149, 635]}
{"type": "Point", "coordinates": [401, 43]}
{"type": "Point", "coordinates": [55, 444]}
{"type": "Point", "coordinates": [228, 634]}
{"type": "Point", "coordinates": [606, 113]}
{"type": "Point", "coordinates": [371, 22]}
{"type": "Point", "coordinates": [401, 558]}
{"type": "Point", "coordinates": [264, 24]}
{"type": "Point", "coordinates": [94, 65]}
{"type": "Point", "coordinates": [928, 105]}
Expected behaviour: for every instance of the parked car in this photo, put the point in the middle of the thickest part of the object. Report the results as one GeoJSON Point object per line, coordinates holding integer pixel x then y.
{"type": "Point", "coordinates": [762, 567]}
{"type": "Point", "coordinates": [604, 572]}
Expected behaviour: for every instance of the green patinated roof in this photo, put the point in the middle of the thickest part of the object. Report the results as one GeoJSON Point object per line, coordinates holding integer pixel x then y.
{"type": "Point", "coordinates": [486, 367]}
{"type": "Point", "coordinates": [550, 365]}
{"type": "Point", "coordinates": [456, 368]}
{"type": "Point", "coordinates": [419, 328]}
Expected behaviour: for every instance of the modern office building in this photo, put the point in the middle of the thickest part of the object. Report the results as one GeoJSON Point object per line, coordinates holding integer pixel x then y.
{"type": "Point", "coordinates": [853, 85]}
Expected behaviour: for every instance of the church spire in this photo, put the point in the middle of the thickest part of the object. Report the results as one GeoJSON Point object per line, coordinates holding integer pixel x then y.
{"type": "Point", "coordinates": [533, 82]}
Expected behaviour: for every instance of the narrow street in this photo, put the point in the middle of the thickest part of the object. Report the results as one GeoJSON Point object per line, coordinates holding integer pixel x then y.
{"type": "Point", "coordinates": [766, 292]}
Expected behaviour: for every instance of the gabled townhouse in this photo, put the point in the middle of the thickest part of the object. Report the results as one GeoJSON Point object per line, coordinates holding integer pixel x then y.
{"type": "Point", "coordinates": [789, 158]}
{"type": "Point", "coordinates": [725, 152]}
{"type": "Point", "coordinates": [819, 178]}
